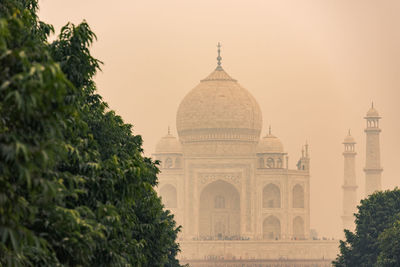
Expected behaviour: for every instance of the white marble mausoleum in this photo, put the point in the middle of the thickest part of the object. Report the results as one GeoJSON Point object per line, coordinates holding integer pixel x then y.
{"type": "Point", "coordinates": [229, 184]}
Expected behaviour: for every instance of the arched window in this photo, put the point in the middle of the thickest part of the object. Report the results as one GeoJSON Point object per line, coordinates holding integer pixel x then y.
{"type": "Point", "coordinates": [272, 228]}
{"type": "Point", "coordinates": [219, 213]}
{"type": "Point", "coordinates": [219, 202]}
{"type": "Point", "coordinates": [279, 164]}
{"type": "Point", "coordinates": [298, 196]}
{"type": "Point", "coordinates": [178, 162]}
{"type": "Point", "coordinates": [298, 228]}
{"type": "Point", "coordinates": [270, 163]}
{"type": "Point", "coordinates": [168, 163]}
{"type": "Point", "coordinates": [168, 196]}
{"type": "Point", "coordinates": [271, 196]}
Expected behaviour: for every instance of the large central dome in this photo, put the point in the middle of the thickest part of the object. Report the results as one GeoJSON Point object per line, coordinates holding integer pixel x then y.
{"type": "Point", "coordinates": [219, 108]}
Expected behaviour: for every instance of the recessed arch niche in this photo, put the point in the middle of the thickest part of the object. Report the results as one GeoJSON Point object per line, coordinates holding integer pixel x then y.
{"type": "Point", "coordinates": [169, 196]}
{"type": "Point", "coordinates": [271, 196]}
{"type": "Point", "coordinates": [219, 214]}
{"type": "Point", "coordinates": [271, 228]}
{"type": "Point", "coordinates": [298, 228]}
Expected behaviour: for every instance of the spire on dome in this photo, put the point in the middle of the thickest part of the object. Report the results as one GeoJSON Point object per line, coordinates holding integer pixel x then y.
{"type": "Point", "coordinates": [349, 139]}
{"type": "Point", "coordinates": [169, 130]}
{"type": "Point", "coordinates": [219, 58]}
{"type": "Point", "coordinates": [270, 130]}
{"type": "Point", "coordinates": [219, 73]}
{"type": "Point", "coordinates": [372, 112]}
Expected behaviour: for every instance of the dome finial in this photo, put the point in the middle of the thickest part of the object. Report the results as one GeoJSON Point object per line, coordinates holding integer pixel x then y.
{"type": "Point", "coordinates": [169, 130]}
{"type": "Point", "coordinates": [219, 58]}
{"type": "Point", "coordinates": [349, 132]}
{"type": "Point", "coordinates": [270, 130]}
{"type": "Point", "coordinates": [372, 104]}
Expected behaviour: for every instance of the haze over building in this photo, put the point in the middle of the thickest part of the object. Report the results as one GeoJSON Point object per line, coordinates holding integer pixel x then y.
{"type": "Point", "coordinates": [229, 187]}
{"type": "Point", "coordinates": [313, 66]}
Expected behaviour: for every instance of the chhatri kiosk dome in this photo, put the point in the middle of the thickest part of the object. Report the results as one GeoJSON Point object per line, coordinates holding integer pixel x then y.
{"type": "Point", "coordinates": [225, 183]}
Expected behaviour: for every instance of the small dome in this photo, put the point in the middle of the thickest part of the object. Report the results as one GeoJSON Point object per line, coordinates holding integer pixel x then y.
{"type": "Point", "coordinates": [372, 112]}
{"type": "Point", "coordinates": [168, 144]}
{"type": "Point", "coordinates": [270, 144]}
{"type": "Point", "coordinates": [349, 139]}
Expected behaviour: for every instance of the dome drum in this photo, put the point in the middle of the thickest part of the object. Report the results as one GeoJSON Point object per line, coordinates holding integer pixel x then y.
{"type": "Point", "coordinates": [218, 134]}
{"type": "Point", "coordinates": [223, 148]}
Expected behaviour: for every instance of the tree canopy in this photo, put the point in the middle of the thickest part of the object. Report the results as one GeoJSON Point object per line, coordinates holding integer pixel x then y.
{"type": "Point", "coordinates": [376, 240]}
{"type": "Point", "coordinates": [75, 188]}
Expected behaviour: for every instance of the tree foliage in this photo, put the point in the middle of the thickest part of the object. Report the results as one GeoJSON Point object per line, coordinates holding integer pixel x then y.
{"type": "Point", "coordinates": [75, 188]}
{"type": "Point", "coordinates": [389, 246]}
{"type": "Point", "coordinates": [376, 240]}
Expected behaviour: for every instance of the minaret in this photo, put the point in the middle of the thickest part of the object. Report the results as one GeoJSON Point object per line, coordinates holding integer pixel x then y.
{"type": "Point", "coordinates": [373, 170]}
{"type": "Point", "coordinates": [304, 162]}
{"type": "Point", "coordinates": [349, 183]}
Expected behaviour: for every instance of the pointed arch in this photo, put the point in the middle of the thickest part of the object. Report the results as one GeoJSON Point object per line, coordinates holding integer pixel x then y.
{"type": "Point", "coordinates": [279, 163]}
{"type": "Point", "coordinates": [169, 196]}
{"type": "Point", "coordinates": [298, 228]}
{"type": "Point", "coordinates": [219, 214]}
{"type": "Point", "coordinates": [270, 163]}
{"type": "Point", "coordinates": [168, 163]}
{"type": "Point", "coordinates": [271, 228]}
{"type": "Point", "coordinates": [271, 196]}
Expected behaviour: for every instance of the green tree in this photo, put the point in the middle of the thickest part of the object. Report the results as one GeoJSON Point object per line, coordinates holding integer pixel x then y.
{"type": "Point", "coordinates": [35, 112]}
{"type": "Point", "coordinates": [124, 180]}
{"type": "Point", "coordinates": [375, 241]}
{"type": "Point", "coordinates": [389, 245]}
{"type": "Point", "coordinates": [75, 189]}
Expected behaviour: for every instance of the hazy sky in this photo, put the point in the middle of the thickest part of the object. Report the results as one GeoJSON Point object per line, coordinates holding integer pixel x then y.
{"type": "Point", "coordinates": [313, 65]}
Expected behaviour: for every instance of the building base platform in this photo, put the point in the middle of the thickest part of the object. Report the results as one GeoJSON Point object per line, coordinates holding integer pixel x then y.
{"type": "Point", "coordinates": [249, 253]}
